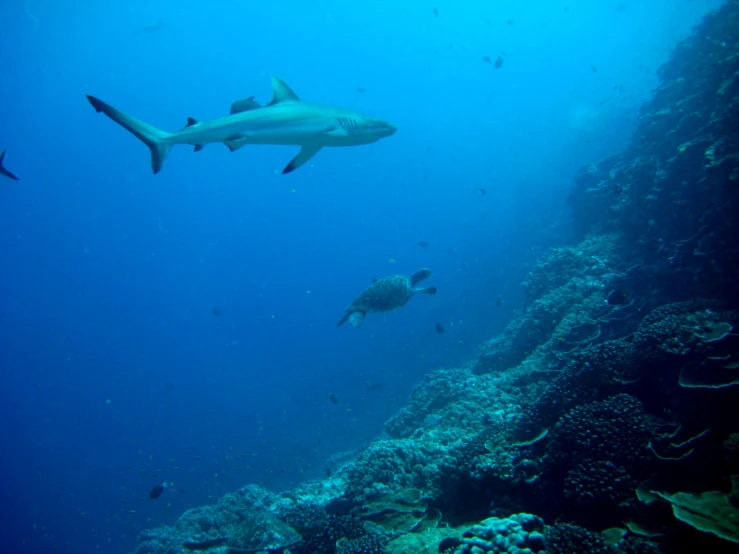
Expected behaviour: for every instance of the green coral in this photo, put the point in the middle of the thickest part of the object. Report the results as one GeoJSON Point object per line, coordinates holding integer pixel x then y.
{"type": "Point", "coordinates": [401, 512]}
{"type": "Point", "coordinates": [710, 512]}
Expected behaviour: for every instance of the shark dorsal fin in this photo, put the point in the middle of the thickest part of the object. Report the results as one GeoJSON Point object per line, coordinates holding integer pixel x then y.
{"type": "Point", "coordinates": [281, 92]}
{"type": "Point", "coordinates": [190, 122]}
{"type": "Point", "coordinates": [244, 105]}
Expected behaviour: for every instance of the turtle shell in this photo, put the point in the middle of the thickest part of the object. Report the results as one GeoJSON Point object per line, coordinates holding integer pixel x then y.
{"type": "Point", "coordinates": [383, 295]}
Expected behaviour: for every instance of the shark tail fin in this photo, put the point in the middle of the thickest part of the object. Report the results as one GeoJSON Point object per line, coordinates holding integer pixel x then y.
{"type": "Point", "coordinates": [4, 171]}
{"type": "Point", "coordinates": [154, 138]}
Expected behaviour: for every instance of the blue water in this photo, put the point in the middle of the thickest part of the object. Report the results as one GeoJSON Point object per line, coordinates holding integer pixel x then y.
{"type": "Point", "coordinates": [117, 374]}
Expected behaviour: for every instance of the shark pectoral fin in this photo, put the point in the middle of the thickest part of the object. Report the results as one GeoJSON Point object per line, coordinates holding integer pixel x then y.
{"type": "Point", "coordinates": [281, 92]}
{"type": "Point", "coordinates": [336, 131]}
{"type": "Point", "coordinates": [234, 144]}
{"type": "Point", "coordinates": [305, 154]}
{"type": "Point", "coordinates": [244, 105]}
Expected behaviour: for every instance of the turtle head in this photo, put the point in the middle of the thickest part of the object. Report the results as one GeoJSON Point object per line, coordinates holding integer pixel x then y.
{"type": "Point", "coordinates": [356, 319]}
{"type": "Point", "coordinates": [419, 276]}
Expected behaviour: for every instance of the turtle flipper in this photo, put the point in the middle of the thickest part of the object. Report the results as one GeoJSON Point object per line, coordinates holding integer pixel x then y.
{"type": "Point", "coordinates": [427, 290]}
{"type": "Point", "coordinates": [357, 318]}
{"type": "Point", "coordinates": [419, 276]}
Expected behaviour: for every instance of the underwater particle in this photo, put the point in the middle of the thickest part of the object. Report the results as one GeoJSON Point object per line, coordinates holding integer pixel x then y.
{"type": "Point", "coordinates": [510, 22]}
{"type": "Point", "coordinates": [498, 62]}
{"type": "Point", "coordinates": [618, 297]}
{"type": "Point", "coordinates": [333, 398]}
{"type": "Point", "coordinates": [361, 89]}
{"type": "Point", "coordinates": [215, 312]}
{"type": "Point", "coordinates": [157, 491]}
{"type": "Point", "coordinates": [436, 11]}
{"type": "Point", "coordinates": [423, 243]}
{"type": "Point", "coordinates": [487, 59]}
{"type": "Point", "coordinates": [499, 301]}
{"type": "Point", "coordinates": [372, 386]}
{"type": "Point", "coordinates": [439, 328]}
{"type": "Point", "coordinates": [594, 68]}
{"type": "Point", "coordinates": [617, 189]}
{"type": "Point", "coordinates": [483, 192]}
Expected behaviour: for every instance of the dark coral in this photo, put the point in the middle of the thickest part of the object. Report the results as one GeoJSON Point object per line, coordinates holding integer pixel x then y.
{"type": "Point", "coordinates": [616, 429]}
{"type": "Point", "coordinates": [565, 538]}
{"type": "Point", "coordinates": [321, 530]}
{"type": "Point", "coordinates": [366, 544]}
{"type": "Point", "coordinates": [595, 484]}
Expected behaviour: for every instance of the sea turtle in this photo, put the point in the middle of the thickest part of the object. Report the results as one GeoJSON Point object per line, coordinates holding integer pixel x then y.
{"type": "Point", "coordinates": [385, 295]}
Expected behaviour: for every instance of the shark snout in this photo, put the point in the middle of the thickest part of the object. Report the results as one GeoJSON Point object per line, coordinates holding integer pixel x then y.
{"type": "Point", "coordinates": [386, 129]}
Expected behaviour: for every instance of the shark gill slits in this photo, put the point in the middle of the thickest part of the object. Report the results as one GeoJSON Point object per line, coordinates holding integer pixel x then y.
{"type": "Point", "coordinates": [347, 123]}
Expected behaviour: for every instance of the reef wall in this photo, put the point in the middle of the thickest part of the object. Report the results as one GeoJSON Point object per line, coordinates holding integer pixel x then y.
{"type": "Point", "coordinates": [608, 408]}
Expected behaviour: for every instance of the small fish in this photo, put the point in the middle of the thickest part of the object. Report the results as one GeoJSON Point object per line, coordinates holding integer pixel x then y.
{"type": "Point", "coordinates": [423, 244]}
{"type": "Point", "coordinates": [439, 328]}
{"type": "Point", "coordinates": [361, 89]}
{"type": "Point", "coordinates": [482, 191]}
{"type": "Point", "coordinates": [618, 297]}
{"type": "Point", "coordinates": [436, 11]}
{"type": "Point", "coordinates": [333, 398]}
{"type": "Point", "coordinates": [216, 312]}
{"type": "Point", "coordinates": [487, 59]}
{"type": "Point", "coordinates": [594, 68]}
{"type": "Point", "coordinates": [617, 189]}
{"type": "Point", "coordinates": [498, 62]}
{"type": "Point", "coordinates": [157, 491]}
{"type": "Point", "coordinates": [499, 301]}
{"type": "Point", "coordinates": [510, 22]}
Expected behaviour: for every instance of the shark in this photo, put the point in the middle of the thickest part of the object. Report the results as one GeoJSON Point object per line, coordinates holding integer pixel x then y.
{"type": "Point", "coordinates": [4, 171]}
{"type": "Point", "coordinates": [286, 120]}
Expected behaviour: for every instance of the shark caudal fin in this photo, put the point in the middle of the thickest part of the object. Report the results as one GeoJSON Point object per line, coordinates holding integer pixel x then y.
{"type": "Point", "coordinates": [154, 138]}
{"type": "Point", "coordinates": [4, 171]}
